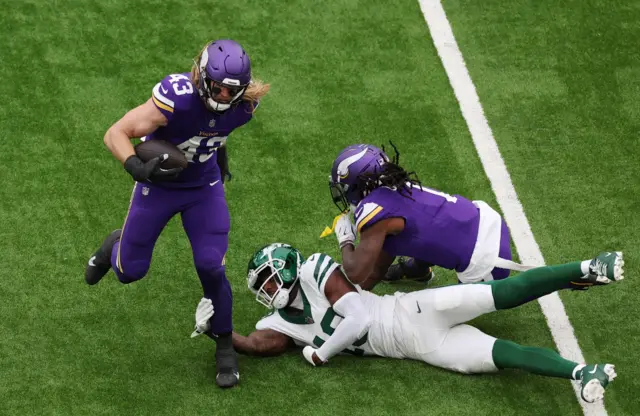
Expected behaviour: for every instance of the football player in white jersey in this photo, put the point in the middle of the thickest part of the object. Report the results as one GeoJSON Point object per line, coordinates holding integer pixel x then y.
{"type": "Point", "coordinates": [317, 308]}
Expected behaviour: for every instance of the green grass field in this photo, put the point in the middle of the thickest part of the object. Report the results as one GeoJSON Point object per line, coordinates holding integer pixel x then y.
{"type": "Point", "coordinates": [559, 83]}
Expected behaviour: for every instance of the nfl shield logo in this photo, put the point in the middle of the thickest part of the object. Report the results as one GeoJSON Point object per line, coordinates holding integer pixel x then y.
{"type": "Point", "coordinates": [212, 122]}
{"type": "Point", "coordinates": [145, 191]}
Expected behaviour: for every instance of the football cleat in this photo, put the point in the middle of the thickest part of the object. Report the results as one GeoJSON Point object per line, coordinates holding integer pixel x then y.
{"type": "Point", "coordinates": [227, 373]}
{"type": "Point", "coordinates": [409, 269]}
{"type": "Point", "coordinates": [100, 262]}
{"type": "Point", "coordinates": [594, 379]}
{"type": "Point", "coordinates": [605, 268]}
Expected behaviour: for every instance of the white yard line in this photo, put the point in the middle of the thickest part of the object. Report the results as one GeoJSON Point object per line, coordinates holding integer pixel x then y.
{"type": "Point", "coordinates": [496, 171]}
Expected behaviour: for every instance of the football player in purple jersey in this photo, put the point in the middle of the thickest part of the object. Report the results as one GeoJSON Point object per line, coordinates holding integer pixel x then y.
{"type": "Point", "coordinates": [196, 111]}
{"type": "Point", "coordinates": [397, 216]}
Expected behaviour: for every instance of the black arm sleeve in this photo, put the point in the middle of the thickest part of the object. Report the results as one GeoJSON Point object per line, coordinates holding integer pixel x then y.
{"type": "Point", "coordinates": [223, 162]}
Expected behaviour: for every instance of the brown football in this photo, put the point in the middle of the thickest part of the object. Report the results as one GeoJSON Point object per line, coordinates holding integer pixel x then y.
{"type": "Point", "coordinates": [149, 149]}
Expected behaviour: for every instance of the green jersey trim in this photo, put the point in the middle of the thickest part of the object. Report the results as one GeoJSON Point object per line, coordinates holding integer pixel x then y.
{"type": "Point", "coordinates": [302, 319]}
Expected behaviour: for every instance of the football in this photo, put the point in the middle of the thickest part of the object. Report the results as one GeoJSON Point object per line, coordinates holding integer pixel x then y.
{"type": "Point", "coordinates": [152, 148]}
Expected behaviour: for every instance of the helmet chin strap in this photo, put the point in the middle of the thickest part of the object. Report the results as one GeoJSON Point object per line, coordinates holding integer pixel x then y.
{"type": "Point", "coordinates": [281, 299]}
{"type": "Point", "coordinates": [216, 106]}
{"type": "Point", "coordinates": [297, 302]}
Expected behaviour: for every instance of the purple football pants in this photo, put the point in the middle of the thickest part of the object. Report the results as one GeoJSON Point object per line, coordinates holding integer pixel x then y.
{"type": "Point", "coordinates": [205, 217]}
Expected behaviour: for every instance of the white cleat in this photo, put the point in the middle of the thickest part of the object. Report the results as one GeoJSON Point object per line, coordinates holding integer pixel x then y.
{"type": "Point", "coordinates": [595, 378]}
{"type": "Point", "coordinates": [607, 267]}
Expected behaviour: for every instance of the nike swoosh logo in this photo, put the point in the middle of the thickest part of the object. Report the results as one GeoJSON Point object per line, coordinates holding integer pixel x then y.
{"type": "Point", "coordinates": [237, 375]}
{"type": "Point", "coordinates": [594, 370]}
{"type": "Point", "coordinates": [213, 183]}
{"type": "Point", "coordinates": [163, 90]}
{"type": "Point", "coordinates": [419, 310]}
{"type": "Point", "coordinates": [91, 263]}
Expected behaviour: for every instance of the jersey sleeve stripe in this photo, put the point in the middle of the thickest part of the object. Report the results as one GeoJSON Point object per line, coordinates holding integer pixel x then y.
{"type": "Point", "coordinates": [161, 100]}
{"type": "Point", "coordinates": [161, 105]}
{"type": "Point", "coordinates": [324, 272]}
{"type": "Point", "coordinates": [368, 217]}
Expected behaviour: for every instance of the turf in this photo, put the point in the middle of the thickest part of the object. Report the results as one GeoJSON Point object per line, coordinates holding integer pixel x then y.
{"type": "Point", "coordinates": [340, 73]}
{"type": "Point", "coordinates": [557, 82]}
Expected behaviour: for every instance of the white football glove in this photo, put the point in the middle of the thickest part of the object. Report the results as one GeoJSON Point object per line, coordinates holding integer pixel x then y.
{"type": "Point", "coordinates": [307, 352]}
{"type": "Point", "coordinates": [204, 312]}
{"type": "Point", "coordinates": [345, 231]}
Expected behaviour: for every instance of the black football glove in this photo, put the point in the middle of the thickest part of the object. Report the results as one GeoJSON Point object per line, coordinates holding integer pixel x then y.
{"type": "Point", "coordinates": [150, 171]}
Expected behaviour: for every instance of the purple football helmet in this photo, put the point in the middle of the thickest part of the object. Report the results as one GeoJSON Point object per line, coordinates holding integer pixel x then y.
{"type": "Point", "coordinates": [223, 63]}
{"type": "Point", "coordinates": [354, 167]}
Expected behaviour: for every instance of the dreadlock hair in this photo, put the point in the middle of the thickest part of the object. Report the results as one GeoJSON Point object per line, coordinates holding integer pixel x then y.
{"type": "Point", "coordinates": [391, 175]}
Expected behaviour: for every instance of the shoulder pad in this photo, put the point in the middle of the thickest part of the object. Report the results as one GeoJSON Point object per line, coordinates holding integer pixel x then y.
{"type": "Point", "coordinates": [367, 213]}
{"type": "Point", "coordinates": [317, 269]}
{"type": "Point", "coordinates": [174, 93]}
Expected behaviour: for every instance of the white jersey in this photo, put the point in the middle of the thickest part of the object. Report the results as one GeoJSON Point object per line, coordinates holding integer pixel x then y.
{"type": "Point", "coordinates": [317, 321]}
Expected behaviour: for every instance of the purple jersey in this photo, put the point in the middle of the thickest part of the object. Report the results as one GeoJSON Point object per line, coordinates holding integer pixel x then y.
{"type": "Point", "coordinates": [197, 131]}
{"type": "Point", "coordinates": [439, 228]}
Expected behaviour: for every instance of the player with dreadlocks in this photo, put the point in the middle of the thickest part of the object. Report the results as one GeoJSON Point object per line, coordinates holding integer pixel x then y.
{"type": "Point", "coordinates": [397, 216]}
{"type": "Point", "coordinates": [396, 177]}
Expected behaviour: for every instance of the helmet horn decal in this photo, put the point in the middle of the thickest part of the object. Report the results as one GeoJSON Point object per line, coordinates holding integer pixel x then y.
{"type": "Point", "coordinates": [204, 59]}
{"type": "Point", "coordinates": [343, 167]}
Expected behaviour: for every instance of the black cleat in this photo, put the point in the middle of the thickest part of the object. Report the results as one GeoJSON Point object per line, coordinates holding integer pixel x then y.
{"type": "Point", "coordinates": [100, 262]}
{"type": "Point", "coordinates": [227, 373]}
{"type": "Point", "coordinates": [418, 271]}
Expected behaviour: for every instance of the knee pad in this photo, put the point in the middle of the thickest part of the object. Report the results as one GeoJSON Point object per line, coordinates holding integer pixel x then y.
{"type": "Point", "coordinates": [132, 272]}
{"type": "Point", "coordinates": [208, 258]}
{"type": "Point", "coordinates": [464, 296]}
{"type": "Point", "coordinates": [446, 299]}
{"type": "Point", "coordinates": [467, 350]}
{"type": "Point", "coordinates": [129, 265]}
{"type": "Point", "coordinates": [209, 265]}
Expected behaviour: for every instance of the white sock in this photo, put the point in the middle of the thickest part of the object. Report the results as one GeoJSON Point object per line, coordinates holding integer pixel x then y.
{"type": "Point", "coordinates": [584, 266]}
{"type": "Point", "coordinates": [576, 371]}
